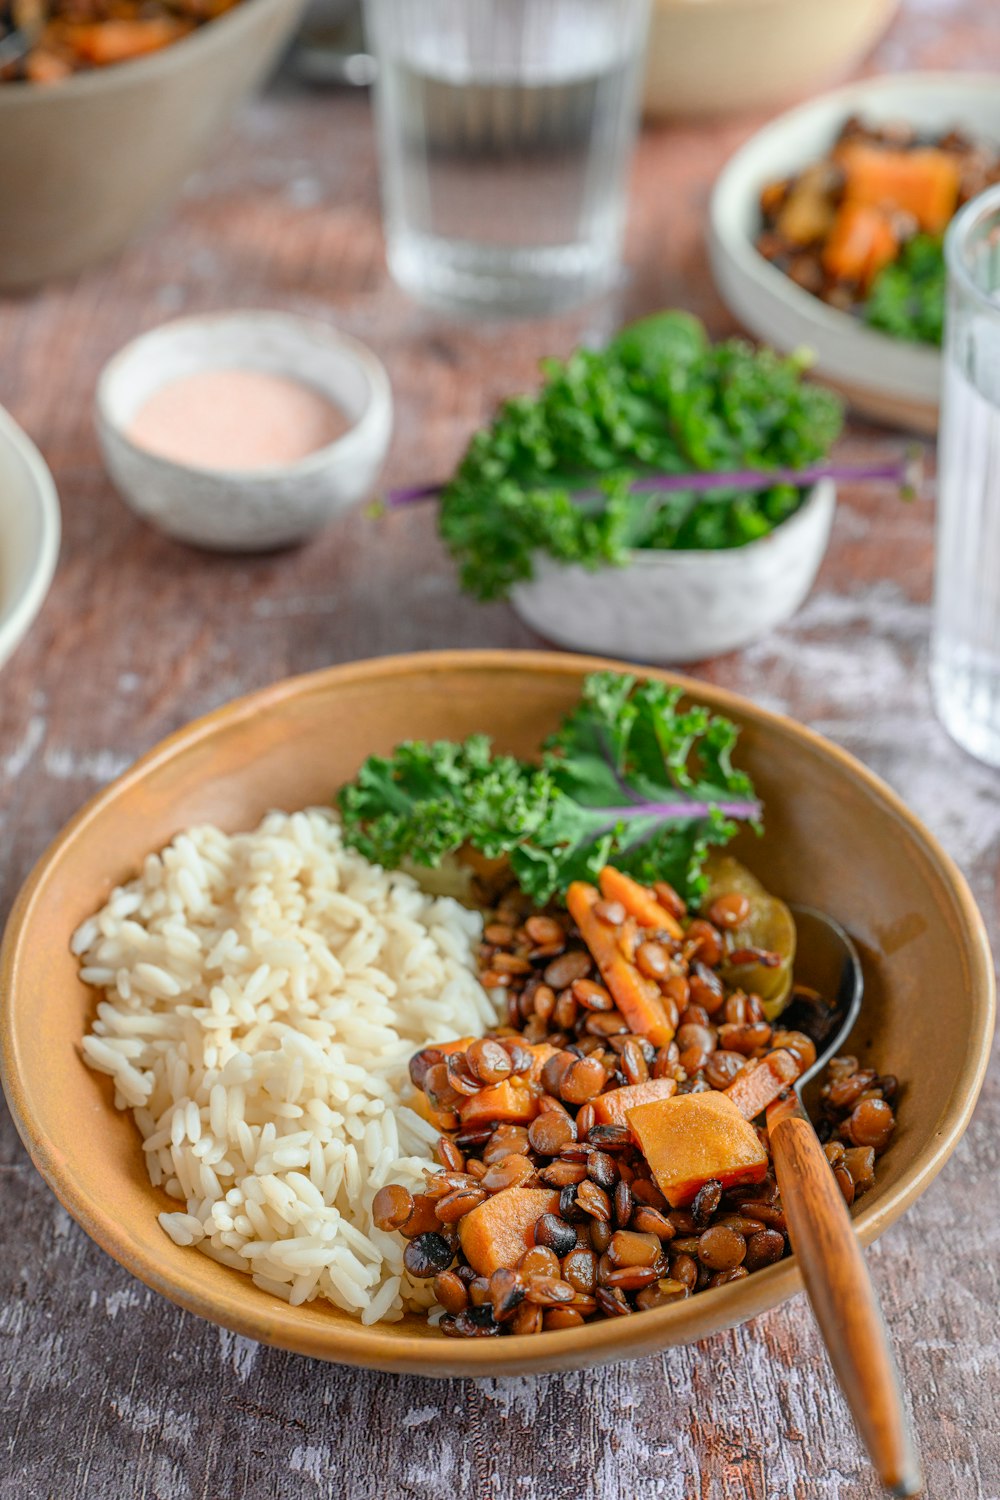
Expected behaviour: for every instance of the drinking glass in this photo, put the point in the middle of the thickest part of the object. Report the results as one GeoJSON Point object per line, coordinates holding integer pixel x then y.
{"type": "Point", "coordinates": [965, 640]}
{"type": "Point", "coordinates": [505, 129]}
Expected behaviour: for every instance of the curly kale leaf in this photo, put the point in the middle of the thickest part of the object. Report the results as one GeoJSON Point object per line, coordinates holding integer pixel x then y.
{"type": "Point", "coordinates": [629, 778]}
{"type": "Point", "coordinates": [553, 472]}
{"type": "Point", "coordinates": [907, 297]}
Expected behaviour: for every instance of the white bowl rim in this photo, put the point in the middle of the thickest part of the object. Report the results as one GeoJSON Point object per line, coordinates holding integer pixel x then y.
{"type": "Point", "coordinates": [821, 318]}
{"type": "Point", "coordinates": [686, 557]}
{"type": "Point", "coordinates": [28, 598]}
{"type": "Point", "coordinates": [138, 69]}
{"type": "Point", "coordinates": [314, 330]}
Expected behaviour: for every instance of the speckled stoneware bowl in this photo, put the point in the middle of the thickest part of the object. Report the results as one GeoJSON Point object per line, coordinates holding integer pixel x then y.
{"type": "Point", "coordinates": [29, 534]}
{"type": "Point", "coordinates": [836, 837]}
{"type": "Point", "coordinates": [246, 510]}
{"type": "Point", "coordinates": [682, 606]}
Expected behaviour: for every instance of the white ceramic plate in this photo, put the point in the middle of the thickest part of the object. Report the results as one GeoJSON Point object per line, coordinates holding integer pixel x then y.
{"type": "Point", "coordinates": [29, 533]}
{"type": "Point", "coordinates": [887, 378]}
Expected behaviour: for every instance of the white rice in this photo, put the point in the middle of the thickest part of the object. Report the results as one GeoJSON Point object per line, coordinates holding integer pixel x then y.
{"type": "Point", "coordinates": [263, 994]}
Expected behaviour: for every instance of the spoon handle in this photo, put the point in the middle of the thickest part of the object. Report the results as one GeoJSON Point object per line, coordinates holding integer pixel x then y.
{"type": "Point", "coordinates": [842, 1296]}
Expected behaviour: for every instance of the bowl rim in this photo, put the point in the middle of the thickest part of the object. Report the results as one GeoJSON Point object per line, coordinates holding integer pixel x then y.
{"type": "Point", "coordinates": [138, 70]}
{"type": "Point", "coordinates": [377, 1346]}
{"type": "Point", "coordinates": [738, 254]}
{"type": "Point", "coordinates": [312, 331]}
{"type": "Point", "coordinates": [28, 598]}
{"type": "Point", "coordinates": [821, 493]}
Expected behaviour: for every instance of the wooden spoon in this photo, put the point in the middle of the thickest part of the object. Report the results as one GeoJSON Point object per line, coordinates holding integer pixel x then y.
{"type": "Point", "coordinates": [819, 1224]}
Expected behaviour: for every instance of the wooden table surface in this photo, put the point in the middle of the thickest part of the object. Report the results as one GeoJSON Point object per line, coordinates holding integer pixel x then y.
{"type": "Point", "coordinates": [107, 1391]}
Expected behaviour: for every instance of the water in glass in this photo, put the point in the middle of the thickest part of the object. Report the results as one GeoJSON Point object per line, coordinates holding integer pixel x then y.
{"type": "Point", "coordinates": [965, 648]}
{"type": "Point", "coordinates": [505, 129]}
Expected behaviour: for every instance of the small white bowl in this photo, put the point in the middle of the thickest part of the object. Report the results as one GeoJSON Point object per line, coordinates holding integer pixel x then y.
{"type": "Point", "coordinates": [682, 606]}
{"type": "Point", "coordinates": [258, 509]}
{"type": "Point", "coordinates": [29, 533]}
{"type": "Point", "coordinates": [891, 379]}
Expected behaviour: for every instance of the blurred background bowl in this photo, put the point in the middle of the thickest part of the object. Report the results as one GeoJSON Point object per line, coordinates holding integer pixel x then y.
{"type": "Point", "coordinates": [718, 57]}
{"type": "Point", "coordinates": [890, 379]}
{"type": "Point", "coordinates": [86, 163]}
{"type": "Point", "coordinates": [29, 533]}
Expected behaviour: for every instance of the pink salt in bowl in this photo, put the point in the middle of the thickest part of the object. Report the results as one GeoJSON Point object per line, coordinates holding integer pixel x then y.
{"type": "Point", "coordinates": [243, 432]}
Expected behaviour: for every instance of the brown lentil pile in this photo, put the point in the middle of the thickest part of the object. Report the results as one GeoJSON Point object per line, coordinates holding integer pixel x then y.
{"type": "Point", "coordinates": [609, 1244]}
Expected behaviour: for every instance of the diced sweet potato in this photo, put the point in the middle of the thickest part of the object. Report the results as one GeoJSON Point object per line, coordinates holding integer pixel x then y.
{"type": "Point", "coordinates": [610, 1108]}
{"type": "Point", "coordinates": [924, 182]}
{"type": "Point", "coordinates": [692, 1139]}
{"type": "Point", "coordinates": [498, 1232]}
{"type": "Point", "coordinates": [637, 997]}
{"type": "Point", "coordinates": [512, 1102]}
{"type": "Point", "coordinates": [638, 901]}
{"type": "Point", "coordinates": [761, 1081]}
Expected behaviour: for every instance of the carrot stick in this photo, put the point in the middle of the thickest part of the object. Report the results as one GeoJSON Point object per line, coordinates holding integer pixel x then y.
{"type": "Point", "coordinates": [753, 1089]}
{"type": "Point", "coordinates": [636, 997]}
{"type": "Point", "coordinates": [638, 901]}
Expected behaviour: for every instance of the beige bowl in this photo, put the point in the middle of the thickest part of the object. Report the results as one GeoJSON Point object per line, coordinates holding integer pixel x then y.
{"type": "Point", "coordinates": [718, 57]}
{"type": "Point", "coordinates": [879, 871]}
{"type": "Point", "coordinates": [85, 163]}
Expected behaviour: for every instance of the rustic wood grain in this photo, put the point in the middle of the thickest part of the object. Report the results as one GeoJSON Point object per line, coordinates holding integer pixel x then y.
{"type": "Point", "coordinates": [107, 1391]}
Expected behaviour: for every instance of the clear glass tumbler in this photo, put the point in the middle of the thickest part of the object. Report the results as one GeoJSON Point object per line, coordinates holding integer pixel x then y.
{"type": "Point", "coordinates": [965, 641]}
{"type": "Point", "coordinates": [505, 130]}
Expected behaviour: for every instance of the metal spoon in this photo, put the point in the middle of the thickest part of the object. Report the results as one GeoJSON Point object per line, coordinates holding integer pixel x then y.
{"type": "Point", "coordinates": [819, 1225]}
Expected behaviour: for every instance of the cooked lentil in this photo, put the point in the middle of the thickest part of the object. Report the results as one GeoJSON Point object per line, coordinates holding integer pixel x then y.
{"type": "Point", "coordinates": [614, 1246]}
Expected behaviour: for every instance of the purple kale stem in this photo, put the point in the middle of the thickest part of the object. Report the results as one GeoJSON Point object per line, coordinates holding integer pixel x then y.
{"type": "Point", "coordinates": [682, 808]}
{"type": "Point", "coordinates": [905, 471]}
{"type": "Point", "coordinates": [410, 494]}
{"type": "Point", "coordinates": [766, 479]}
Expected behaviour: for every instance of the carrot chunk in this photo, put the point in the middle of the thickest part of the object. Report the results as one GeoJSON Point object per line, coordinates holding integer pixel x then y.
{"type": "Point", "coordinates": [692, 1139]}
{"type": "Point", "coordinates": [610, 1108]}
{"type": "Point", "coordinates": [441, 1119]}
{"type": "Point", "coordinates": [638, 901]}
{"type": "Point", "coordinates": [924, 182]}
{"type": "Point", "coordinates": [761, 1081]}
{"type": "Point", "coordinates": [499, 1231]}
{"type": "Point", "coordinates": [461, 1044]}
{"type": "Point", "coordinates": [636, 997]}
{"type": "Point", "coordinates": [117, 40]}
{"type": "Point", "coordinates": [511, 1102]}
{"type": "Point", "coordinates": [861, 242]}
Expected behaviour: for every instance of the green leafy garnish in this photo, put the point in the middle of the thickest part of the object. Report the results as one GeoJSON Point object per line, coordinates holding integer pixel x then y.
{"type": "Point", "coordinates": [553, 472]}
{"type": "Point", "coordinates": [907, 297]}
{"type": "Point", "coordinates": [629, 778]}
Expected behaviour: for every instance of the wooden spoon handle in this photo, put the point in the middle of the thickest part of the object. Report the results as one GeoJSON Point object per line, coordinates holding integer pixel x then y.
{"type": "Point", "coordinates": [843, 1299]}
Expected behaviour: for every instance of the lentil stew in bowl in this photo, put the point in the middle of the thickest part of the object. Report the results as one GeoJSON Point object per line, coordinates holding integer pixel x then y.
{"type": "Point", "coordinates": [882, 876]}
{"type": "Point", "coordinates": [598, 1156]}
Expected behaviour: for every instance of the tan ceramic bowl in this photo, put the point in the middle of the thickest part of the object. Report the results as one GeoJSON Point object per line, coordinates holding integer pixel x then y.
{"type": "Point", "coordinates": [721, 57]}
{"type": "Point", "coordinates": [86, 163]}
{"type": "Point", "coordinates": [836, 838]}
